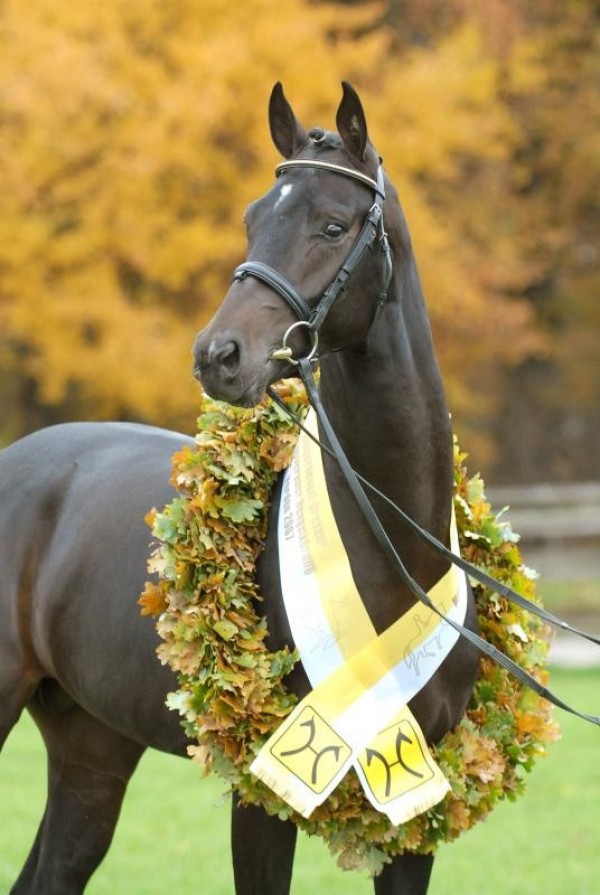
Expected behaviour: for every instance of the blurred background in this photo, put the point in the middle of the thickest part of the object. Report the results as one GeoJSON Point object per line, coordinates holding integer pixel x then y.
{"type": "Point", "coordinates": [133, 135]}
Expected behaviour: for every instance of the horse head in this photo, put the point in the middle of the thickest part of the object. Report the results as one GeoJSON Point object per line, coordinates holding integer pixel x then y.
{"type": "Point", "coordinates": [315, 229]}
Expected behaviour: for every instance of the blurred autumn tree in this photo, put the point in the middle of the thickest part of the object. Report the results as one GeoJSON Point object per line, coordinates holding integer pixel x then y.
{"type": "Point", "coordinates": [541, 418]}
{"type": "Point", "coordinates": [133, 135]}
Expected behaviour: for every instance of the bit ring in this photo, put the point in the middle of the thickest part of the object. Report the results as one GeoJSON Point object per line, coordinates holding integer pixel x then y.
{"type": "Point", "coordinates": [285, 352]}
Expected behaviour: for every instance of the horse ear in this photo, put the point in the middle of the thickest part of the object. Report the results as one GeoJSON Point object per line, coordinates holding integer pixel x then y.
{"type": "Point", "coordinates": [286, 131]}
{"type": "Point", "coordinates": [351, 122]}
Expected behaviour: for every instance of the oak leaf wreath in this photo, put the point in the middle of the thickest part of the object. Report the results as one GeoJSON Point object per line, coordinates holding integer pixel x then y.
{"type": "Point", "coordinates": [232, 692]}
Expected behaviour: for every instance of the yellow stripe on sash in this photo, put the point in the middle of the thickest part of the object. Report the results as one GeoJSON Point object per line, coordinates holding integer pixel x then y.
{"type": "Point", "coordinates": [342, 604]}
{"type": "Point", "coordinates": [357, 712]}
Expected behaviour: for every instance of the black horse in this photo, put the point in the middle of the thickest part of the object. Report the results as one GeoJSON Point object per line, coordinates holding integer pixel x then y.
{"type": "Point", "coordinates": [74, 650]}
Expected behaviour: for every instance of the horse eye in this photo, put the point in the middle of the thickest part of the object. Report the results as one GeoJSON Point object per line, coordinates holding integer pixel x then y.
{"type": "Point", "coordinates": [334, 231]}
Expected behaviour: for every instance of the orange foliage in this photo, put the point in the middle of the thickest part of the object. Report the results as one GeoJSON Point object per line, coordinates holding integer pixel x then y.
{"type": "Point", "coordinates": [134, 135]}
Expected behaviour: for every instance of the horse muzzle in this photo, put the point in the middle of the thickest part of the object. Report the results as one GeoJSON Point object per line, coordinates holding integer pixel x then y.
{"type": "Point", "coordinates": [226, 373]}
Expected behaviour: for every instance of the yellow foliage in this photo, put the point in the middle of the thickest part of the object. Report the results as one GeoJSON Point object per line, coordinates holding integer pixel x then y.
{"type": "Point", "coordinates": [134, 135]}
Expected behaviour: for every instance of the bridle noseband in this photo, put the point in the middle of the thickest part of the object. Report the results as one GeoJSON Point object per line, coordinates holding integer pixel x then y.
{"type": "Point", "coordinates": [372, 232]}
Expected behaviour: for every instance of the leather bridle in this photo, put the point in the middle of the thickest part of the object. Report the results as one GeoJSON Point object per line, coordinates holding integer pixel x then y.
{"type": "Point", "coordinates": [357, 485]}
{"type": "Point", "coordinates": [311, 317]}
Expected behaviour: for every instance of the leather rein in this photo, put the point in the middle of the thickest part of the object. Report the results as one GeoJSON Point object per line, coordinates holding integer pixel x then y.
{"type": "Point", "coordinates": [373, 232]}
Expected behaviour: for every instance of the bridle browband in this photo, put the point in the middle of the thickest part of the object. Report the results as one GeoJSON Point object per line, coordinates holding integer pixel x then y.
{"type": "Point", "coordinates": [375, 185]}
{"type": "Point", "coordinates": [373, 231]}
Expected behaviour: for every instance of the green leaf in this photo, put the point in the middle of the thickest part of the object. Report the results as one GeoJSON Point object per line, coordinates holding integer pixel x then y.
{"type": "Point", "coordinates": [246, 660]}
{"type": "Point", "coordinates": [239, 508]}
{"type": "Point", "coordinates": [225, 629]}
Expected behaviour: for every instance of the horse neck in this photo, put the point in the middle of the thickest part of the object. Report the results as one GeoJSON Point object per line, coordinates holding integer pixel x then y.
{"type": "Point", "coordinates": [386, 403]}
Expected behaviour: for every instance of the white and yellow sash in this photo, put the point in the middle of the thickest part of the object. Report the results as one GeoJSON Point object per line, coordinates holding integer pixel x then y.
{"type": "Point", "coordinates": [357, 713]}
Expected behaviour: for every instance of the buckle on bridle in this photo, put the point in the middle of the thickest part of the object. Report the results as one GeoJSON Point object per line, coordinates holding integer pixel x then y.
{"type": "Point", "coordinates": [285, 352]}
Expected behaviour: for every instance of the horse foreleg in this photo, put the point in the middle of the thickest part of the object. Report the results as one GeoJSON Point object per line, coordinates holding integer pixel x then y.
{"type": "Point", "coordinates": [408, 874]}
{"type": "Point", "coordinates": [89, 767]}
{"type": "Point", "coordinates": [263, 851]}
{"type": "Point", "coordinates": [19, 674]}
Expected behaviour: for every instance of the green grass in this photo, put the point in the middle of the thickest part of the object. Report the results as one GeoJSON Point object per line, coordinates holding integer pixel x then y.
{"type": "Point", "coordinates": [173, 833]}
{"type": "Point", "coordinates": [570, 596]}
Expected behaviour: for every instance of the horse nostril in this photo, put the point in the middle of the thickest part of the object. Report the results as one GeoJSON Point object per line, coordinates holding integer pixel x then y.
{"type": "Point", "coordinates": [226, 355]}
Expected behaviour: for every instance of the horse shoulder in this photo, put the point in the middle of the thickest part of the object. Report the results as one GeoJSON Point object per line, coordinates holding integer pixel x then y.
{"type": "Point", "coordinates": [74, 541]}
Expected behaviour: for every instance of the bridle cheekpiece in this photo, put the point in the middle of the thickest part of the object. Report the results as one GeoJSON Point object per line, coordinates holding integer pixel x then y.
{"type": "Point", "coordinates": [373, 232]}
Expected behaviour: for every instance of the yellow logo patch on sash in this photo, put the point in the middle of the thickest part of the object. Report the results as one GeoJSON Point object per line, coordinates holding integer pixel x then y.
{"type": "Point", "coordinates": [311, 749]}
{"type": "Point", "coordinates": [396, 762]}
